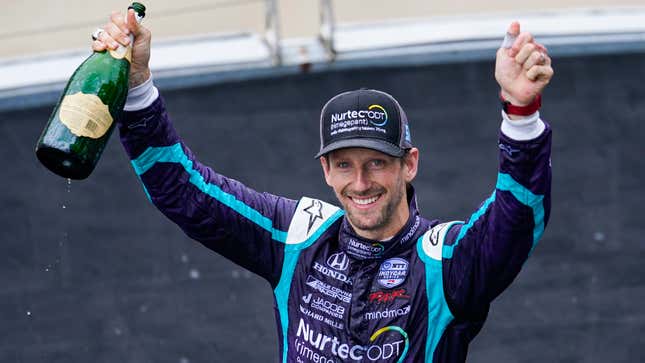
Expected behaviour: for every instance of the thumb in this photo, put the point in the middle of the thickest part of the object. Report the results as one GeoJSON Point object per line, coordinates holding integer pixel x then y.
{"type": "Point", "coordinates": [514, 29]}
{"type": "Point", "coordinates": [511, 35]}
{"type": "Point", "coordinates": [132, 23]}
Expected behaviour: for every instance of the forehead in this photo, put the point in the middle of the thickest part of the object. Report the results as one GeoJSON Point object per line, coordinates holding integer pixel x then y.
{"type": "Point", "coordinates": [357, 153]}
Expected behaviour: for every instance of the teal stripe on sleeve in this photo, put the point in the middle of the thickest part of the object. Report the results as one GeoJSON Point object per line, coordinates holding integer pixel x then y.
{"type": "Point", "coordinates": [175, 154]}
{"type": "Point", "coordinates": [282, 295]}
{"type": "Point", "coordinates": [505, 182]}
{"type": "Point", "coordinates": [448, 250]}
{"type": "Point", "coordinates": [525, 196]}
{"type": "Point", "coordinates": [291, 254]}
{"type": "Point", "coordinates": [439, 315]}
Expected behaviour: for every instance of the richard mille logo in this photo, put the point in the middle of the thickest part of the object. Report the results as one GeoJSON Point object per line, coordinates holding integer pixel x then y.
{"type": "Point", "coordinates": [315, 212]}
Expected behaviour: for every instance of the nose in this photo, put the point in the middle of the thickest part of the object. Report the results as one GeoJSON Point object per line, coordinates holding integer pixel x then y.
{"type": "Point", "coordinates": [361, 181]}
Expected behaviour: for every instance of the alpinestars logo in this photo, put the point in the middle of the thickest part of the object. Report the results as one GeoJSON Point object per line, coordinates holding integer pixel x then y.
{"type": "Point", "coordinates": [315, 212]}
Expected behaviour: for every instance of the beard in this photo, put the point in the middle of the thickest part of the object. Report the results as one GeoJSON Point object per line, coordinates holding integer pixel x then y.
{"type": "Point", "coordinates": [377, 219]}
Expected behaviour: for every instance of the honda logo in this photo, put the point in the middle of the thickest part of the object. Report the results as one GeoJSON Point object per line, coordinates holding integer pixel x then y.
{"type": "Point", "coordinates": [338, 261]}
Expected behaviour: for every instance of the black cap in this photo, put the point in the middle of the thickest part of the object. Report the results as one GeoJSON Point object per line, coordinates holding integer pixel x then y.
{"type": "Point", "coordinates": [364, 118]}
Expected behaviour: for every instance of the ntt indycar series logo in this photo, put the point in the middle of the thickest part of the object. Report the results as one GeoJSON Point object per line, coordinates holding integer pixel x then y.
{"type": "Point", "coordinates": [387, 343]}
{"type": "Point", "coordinates": [374, 118]}
{"type": "Point", "coordinates": [392, 272]}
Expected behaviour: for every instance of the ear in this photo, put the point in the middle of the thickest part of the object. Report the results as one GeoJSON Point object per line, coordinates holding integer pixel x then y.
{"type": "Point", "coordinates": [411, 164]}
{"type": "Point", "coordinates": [324, 162]}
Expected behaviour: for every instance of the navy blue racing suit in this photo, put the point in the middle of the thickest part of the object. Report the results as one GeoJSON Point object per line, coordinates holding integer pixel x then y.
{"type": "Point", "coordinates": [421, 296]}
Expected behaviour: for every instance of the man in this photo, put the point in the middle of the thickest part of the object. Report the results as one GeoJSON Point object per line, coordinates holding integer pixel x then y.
{"type": "Point", "coordinates": [374, 281]}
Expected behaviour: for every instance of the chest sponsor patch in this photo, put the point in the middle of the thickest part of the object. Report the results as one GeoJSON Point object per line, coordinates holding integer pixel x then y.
{"type": "Point", "coordinates": [338, 261]}
{"type": "Point", "coordinates": [329, 290]}
{"type": "Point", "coordinates": [312, 344]}
{"type": "Point", "coordinates": [379, 297]}
{"type": "Point", "coordinates": [387, 313]}
{"type": "Point", "coordinates": [364, 251]}
{"type": "Point", "coordinates": [392, 272]}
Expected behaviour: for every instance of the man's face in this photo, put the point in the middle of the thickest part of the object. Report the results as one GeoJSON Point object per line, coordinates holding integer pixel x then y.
{"type": "Point", "coordinates": [371, 187]}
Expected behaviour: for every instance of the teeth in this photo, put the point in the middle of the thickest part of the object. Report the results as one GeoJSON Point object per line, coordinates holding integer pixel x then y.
{"type": "Point", "coordinates": [365, 201]}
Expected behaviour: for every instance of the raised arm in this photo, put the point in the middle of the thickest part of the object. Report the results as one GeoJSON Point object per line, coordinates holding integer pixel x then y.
{"type": "Point", "coordinates": [482, 255]}
{"type": "Point", "coordinates": [242, 224]}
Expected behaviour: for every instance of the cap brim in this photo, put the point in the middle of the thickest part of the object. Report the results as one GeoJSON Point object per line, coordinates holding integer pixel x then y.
{"type": "Point", "coordinates": [378, 145]}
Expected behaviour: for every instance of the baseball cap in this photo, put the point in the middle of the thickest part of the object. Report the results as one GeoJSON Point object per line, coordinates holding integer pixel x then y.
{"type": "Point", "coordinates": [364, 118]}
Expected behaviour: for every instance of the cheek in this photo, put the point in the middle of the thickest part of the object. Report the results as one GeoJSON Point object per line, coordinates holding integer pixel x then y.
{"type": "Point", "coordinates": [336, 182]}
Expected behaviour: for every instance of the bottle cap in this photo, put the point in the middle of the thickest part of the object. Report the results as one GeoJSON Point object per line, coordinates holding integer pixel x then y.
{"type": "Point", "coordinates": [138, 8]}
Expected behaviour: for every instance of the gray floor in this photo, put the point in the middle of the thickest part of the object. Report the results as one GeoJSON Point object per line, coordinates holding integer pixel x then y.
{"type": "Point", "coordinates": [93, 273]}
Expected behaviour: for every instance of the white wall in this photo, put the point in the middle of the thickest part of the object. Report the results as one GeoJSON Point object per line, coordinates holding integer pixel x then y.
{"type": "Point", "coordinates": [37, 26]}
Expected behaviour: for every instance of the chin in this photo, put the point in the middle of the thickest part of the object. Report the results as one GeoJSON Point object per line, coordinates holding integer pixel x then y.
{"type": "Point", "coordinates": [365, 224]}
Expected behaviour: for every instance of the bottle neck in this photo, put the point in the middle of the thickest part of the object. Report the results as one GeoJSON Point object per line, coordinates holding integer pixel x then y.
{"type": "Point", "coordinates": [126, 51]}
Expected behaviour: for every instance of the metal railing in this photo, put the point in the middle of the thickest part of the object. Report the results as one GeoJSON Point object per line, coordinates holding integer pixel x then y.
{"type": "Point", "coordinates": [327, 28]}
{"type": "Point", "coordinates": [272, 31]}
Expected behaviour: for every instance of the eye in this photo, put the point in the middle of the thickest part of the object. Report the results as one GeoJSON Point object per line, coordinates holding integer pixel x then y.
{"type": "Point", "coordinates": [377, 163]}
{"type": "Point", "coordinates": [342, 164]}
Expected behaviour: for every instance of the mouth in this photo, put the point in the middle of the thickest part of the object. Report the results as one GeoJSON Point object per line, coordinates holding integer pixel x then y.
{"type": "Point", "coordinates": [365, 202]}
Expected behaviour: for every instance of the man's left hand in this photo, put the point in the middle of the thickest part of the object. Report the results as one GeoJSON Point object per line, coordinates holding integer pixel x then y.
{"type": "Point", "coordinates": [523, 69]}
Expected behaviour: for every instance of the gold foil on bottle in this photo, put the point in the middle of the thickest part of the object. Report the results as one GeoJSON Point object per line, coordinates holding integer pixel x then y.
{"type": "Point", "coordinates": [85, 115]}
{"type": "Point", "coordinates": [122, 52]}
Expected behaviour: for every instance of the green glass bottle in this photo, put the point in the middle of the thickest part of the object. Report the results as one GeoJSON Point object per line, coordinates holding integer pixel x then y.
{"type": "Point", "coordinates": [84, 117]}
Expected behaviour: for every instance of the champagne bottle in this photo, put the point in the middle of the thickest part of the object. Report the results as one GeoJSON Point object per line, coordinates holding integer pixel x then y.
{"type": "Point", "coordinates": [83, 119]}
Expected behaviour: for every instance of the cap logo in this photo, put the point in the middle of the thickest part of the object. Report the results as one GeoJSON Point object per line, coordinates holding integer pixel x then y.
{"type": "Point", "coordinates": [372, 119]}
{"type": "Point", "coordinates": [375, 115]}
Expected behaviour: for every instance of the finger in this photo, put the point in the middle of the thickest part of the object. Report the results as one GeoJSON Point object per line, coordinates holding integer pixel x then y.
{"type": "Point", "coordinates": [541, 47]}
{"type": "Point", "coordinates": [547, 60]}
{"type": "Point", "coordinates": [107, 39]}
{"type": "Point", "coordinates": [540, 73]}
{"type": "Point", "coordinates": [511, 34]}
{"type": "Point", "coordinates": [98, 46]}
{"type": "Point", "coordinates": [545, 51]}
{"type": "Point", "coordinates": [118, 19]}
{"type": "Point", "coordinates": [116, 34]}
{"type": "Point", "coordinates": [522, 39]}
{"type": "Point", "coordinates": [536, 58]}
{"type": "Point", "coordinates": [525, 53]}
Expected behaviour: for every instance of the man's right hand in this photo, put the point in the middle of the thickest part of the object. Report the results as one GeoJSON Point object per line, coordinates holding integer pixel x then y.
{"type": "Point", "coordinates": [116, 32]}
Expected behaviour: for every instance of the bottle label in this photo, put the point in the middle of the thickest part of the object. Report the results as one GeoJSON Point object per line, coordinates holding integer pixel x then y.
{"type": "Point", "coordinates": [85, 115]}
{"type": "Point", "coordinates": [122, 52]}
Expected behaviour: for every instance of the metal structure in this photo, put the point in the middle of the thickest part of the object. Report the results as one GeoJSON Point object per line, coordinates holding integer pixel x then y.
{"type": "Point", "coordinates": [272, 31]}
{"type": "Point", "coordinates": [327, 27]}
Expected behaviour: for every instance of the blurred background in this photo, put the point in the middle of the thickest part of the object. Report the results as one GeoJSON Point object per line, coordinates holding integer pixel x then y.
{"type": "Point", "coordinates": [91, 272]}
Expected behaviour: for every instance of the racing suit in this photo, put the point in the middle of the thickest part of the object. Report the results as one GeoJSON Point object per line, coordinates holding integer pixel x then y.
{"type": "Point", "coordinates": [421, 296]}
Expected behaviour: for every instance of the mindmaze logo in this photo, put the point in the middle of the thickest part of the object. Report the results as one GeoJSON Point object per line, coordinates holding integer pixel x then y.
{"type": "Point", "coordinates": [388, 313]}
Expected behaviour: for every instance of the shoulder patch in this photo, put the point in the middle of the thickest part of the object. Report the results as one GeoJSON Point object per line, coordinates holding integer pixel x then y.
{"type": "Point", "coordinates": [432, 242]}
{"type": "Point", "coordinates": [310, 215]}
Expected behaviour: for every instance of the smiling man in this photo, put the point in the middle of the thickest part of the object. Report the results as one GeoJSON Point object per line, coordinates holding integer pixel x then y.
{"type": "Point", "coordinates": [372, 281]}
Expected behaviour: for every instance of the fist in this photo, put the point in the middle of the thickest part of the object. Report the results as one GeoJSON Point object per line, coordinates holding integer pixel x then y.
{"type": "Point", "coordinates": [523, 67]}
